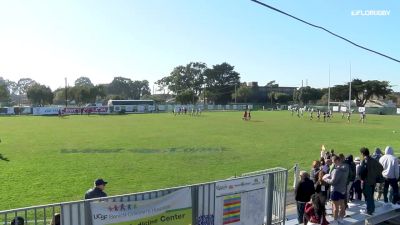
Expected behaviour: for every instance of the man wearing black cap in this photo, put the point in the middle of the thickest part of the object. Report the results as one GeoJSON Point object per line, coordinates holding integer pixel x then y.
{"type": "Point", "coordinates": [98, 190]}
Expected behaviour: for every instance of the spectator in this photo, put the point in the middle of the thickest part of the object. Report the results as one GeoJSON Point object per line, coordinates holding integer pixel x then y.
{"type": "Point", "coordinates": [315, 171]}
{"type": "Point", "coordinates": [315, 212]}
{"type": "Point", "coordinates": [98, 190]}
{"type": "Point", "coordinates": [352, 175]}
{"type": "Point", "coordinates": [303, 193]}
{"type": "Point", "coordinates": [377, 154]}
{"type": "Point", "coordinates": [370, 170]}
{"type": "Point", "coordinates": [56, 219]}
{"type": "Point", "coordinates": [338, 182]}
{"type": "Point", "coordinates": [18, 221]}
{"type": "Point", "coordinates": [327, 167]}
{"type": "Point", "coordinates": [357, 182]}
{"type": "Point", "coordinates": [322, 187]}
{"type": "Point", "coordinates": [390, 173]}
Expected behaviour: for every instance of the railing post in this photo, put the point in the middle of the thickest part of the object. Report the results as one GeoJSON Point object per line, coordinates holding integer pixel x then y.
{"type": "Point", "coordinates": [195, 203]}
{"type": "Point", "coordinates": [270, 197]}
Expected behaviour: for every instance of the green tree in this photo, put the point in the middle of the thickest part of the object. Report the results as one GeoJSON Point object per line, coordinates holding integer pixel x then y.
{"type": "Point", "coordinates": [306, 95]}
{"type": "Point", "coordinates": [187, 97]}
{"type": "Point", "coordinates": [121, 86]}
{"type": "Point", "coordinates": [24, 84]}
{"type": "Point", "coordinates": [4, 93]}
{"type": "Point", "coordinates": [362, 91]}
{"type": "Point", "coordinates": [182, 78]}
{"type": "Point", "coordinates": [40, 94]}
{"type": "Point", "coordinates": [282, 98]}
{"type": "Point", "coordinates": [242, 93]}
{"type": "Point", "coordinates": [221, 81]}
{"type": "Point", "coordinates": [83, 82]}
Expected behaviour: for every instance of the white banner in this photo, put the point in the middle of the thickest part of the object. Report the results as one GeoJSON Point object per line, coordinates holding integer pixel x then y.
{"type": "Point", "coordinates": [361, 109]}
{"type": "Point", "coordinates": [335, 108]}
{"type": "Point", "coordinates": [343, 108]}
{"type": "Point", "coordinates": [210, 107]}
{"type": "Point", "coordinates": [239, 185]}
{"type": "Point", "coordinates": [398, 110]}
{"type": "Point", "coordinates": [240, 202]}
{"type": "Point", "coordinates": [45, 110]}
{"type": "Point", "coordinates": [171, 209]}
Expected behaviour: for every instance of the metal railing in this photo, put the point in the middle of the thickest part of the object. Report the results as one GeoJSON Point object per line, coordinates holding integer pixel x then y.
{"type": "Point", "coordinates": [203, 203]}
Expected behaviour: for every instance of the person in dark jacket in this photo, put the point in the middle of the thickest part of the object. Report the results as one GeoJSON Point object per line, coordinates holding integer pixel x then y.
{"type": "Point", "coordinates": [18, 221]}
{"type": "Point", "coordinates": [304, 190]}
{"type": "Point", "coordinates": [370, 170]}
{"type": "Point", "coordinates": [98, 190]}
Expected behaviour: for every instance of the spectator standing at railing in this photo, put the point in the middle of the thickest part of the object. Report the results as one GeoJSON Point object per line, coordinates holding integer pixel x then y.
{"type": "Point", "coordinates": [370, 171]}
{"type": "Point", "coordinates": [357, 190]}
{"type": "Point", "coordinates": [390, 173]}
{"type": "Point", "coordinates": [303, 193]}
{"type": "Point", "coordinates": [98, 190]}
{"type": "Point", "coordinates": [56, 219]}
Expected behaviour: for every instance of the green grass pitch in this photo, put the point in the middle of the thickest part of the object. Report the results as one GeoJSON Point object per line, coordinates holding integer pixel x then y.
{"type": "Point", "coordinates": [56, 159]}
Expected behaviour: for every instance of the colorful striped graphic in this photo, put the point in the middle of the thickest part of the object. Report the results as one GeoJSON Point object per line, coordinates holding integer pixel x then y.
{"type": "Point", "coordinates": [231, 209]}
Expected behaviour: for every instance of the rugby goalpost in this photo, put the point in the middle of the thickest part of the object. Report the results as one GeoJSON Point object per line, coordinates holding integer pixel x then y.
{"type": "Point", "coordinates": [345, 108]}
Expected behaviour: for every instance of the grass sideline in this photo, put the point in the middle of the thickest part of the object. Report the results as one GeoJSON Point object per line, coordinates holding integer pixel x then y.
{"type": "Point", "coordinates": [56, 159]}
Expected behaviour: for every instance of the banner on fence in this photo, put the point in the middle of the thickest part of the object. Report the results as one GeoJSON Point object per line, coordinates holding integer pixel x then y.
{"type": "Point", "coordinates": [398, 110]}
{"type": "Point", "coordinates": [96, 109]}
{"type": "Point", "coordinates": [71, 111]}
{"type": "Point", "coordinates": [361, 109]}
{"type": "Point", "coordinates": [335, 108]}
{"type": "Point", "coordinates": [343, 108]}
{"type": "Point", "coordinates": [45, 110]}
{"type": "Point", "coordinates": [240, 201]}
{"type": "Point", "coordinates": [172, 209]}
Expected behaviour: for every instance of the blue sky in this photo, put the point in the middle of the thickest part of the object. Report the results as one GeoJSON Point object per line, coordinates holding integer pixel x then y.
{"type": "Point", "coordinates": [50, 40]}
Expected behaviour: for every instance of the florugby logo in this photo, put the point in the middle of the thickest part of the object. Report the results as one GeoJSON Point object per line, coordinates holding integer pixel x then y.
{"type": "Point", "coordinates": [370, 12]}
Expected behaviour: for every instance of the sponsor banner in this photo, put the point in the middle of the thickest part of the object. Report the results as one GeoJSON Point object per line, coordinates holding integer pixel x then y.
{"type": "Point", "coordinates": [71, 111]}
{"type": "Point", "coordinates": [152, 108]}
{"type": "Point", "coordinates": [96, 109]}
{"type": "Point", "coordinates": [361, 109]}
{"type": "Point", "coordinates": [161, 107]}
{"type": "Point", "coordinates": [45, 110]}
{"type": "Point", "coordinates": [141, 108]}
{"type": "Point", "coordinates": [335, 108]}
{"type": "Point", "coordinates": [343, 108]}
{"type": "Point", "coordinates": [250, 106]}
{"type": "Point", "coordinates": [171, 209]}
{"type": "Point", "coordinates": [227, 107]}
{"type": "Point", "coordinates": [240, 202]}
{"type": "Point", "coordinates": [210, 107]}
{"type": "Point", "coordinates": [129, 108]}
{"type": "Point", "coordinates": [26, 110]}
{"type": "Point", "coordinates": [234, 107]}
{"type": "Point", "coordinates": [239, 185]}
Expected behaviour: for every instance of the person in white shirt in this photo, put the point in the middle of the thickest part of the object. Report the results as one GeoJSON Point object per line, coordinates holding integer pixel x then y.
{"type": "Point", "coordinates": [391, 174]}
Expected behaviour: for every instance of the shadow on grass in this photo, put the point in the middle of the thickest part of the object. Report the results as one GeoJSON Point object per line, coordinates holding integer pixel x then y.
{"type": "Point", "coordinates": [146, 151]}
{"type": "Point", "coordinates": [4, 158]}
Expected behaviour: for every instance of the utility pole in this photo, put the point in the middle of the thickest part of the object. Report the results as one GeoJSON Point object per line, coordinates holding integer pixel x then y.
{"type": "Point", "coordinates": [235, 93]}
{"type": "Point", "coordinates": [66, 93]}
{"type": "Point", "coordinates": [329, 89]}
{"type": "Point", "coordinates": [350, 90]}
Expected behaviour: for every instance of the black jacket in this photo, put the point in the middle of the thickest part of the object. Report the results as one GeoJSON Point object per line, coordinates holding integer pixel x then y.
{"type": "Point", "coordinates": [304, 190]}
{"type": "Point", "coordinates": [95, 193]}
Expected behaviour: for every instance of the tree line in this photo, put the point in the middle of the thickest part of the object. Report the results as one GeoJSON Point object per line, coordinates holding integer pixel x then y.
{"type": "Point", "coordinates": [188, 84]}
